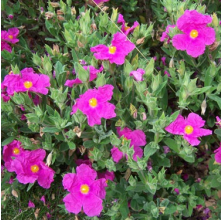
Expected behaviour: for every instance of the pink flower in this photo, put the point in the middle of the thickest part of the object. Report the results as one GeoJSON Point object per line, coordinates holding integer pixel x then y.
{"type": "Point", "coordinates": [30, 167]}
{"type": "Point", "coordinates": [190, 128]}
{"type": "Point", "coordinates": [165, 33]}
{"type": "Point", "coordinates": [163, 59]}
{"type": "Point", "coordinates": [11, 151]}
{"type": "Point", "coordinates": [138, 74]}
{"type": "Point", "coordinates": [196, 35]}
{"type": "Point", "coordinates": [218, 154]}
{"type": "Point", "coordinates": [10, 35]}
{"type": "Point", "coordinates": [100, 1]}
{"type": "Point", "coordinates": [43, 199]}
{"type": "Point", "coordinates": [30, 81]}
{"type": "Point", "coordinates": [120, 47]}
{"type": "Point", "coordinates": [31, 204]}
{"type": "Point", "coordinates": [177, 191]}
{"type": "Point", "coordinates": [126, 29]}
{"type": "Point", "coordinates": [137, 138]}
{"type": "Point", "coordinates": [93, 75]}
{"type": "Point", "coordinates": [167, 73]}
{"type": "Point", "coordinates": [94, 103]}
{"type": "Point", "coordinates": [106, 175]}
{"type": "Point", "coordinates": [85, 191]}
{"type": "Point", "coordinates": [218, 123]}
{"type": "Point", "coordinates": [6, 46]}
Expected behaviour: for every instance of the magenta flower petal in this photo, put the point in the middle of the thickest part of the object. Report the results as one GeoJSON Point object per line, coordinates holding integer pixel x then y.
{"type": "Point", "coordinates": [209, 35]}
{"type": "Point", "coordinates": [31, 204]}
{"type": "Point", "coordinates": [176, 127]}
{"type": "Point", "coordinates": [72, 204]}
{"type": "Point", "coordinates": [6, 46]}
{"type": "Point", "coordinates": [165, 33]}
{"type": "Point", "coordinates": [218, 154]}
{"type": "Point", "coordinates": [116, 154]}
{"type": "Point", "coordinates": [92, 205]}
{"type": "Point", "coordinates": [138, 152]}
{"type": "Point", "coordinates": [85, 172]}
{"type": "Point", "coordinates": [107, 175]}
{"type": "Point", "coordinates": [192, 16]}
{"type": "Point", "coordinates": [138, 74]}
{"type": "Point", "coordinates": [45, 176]}
{"type": "Point", "coordinates": [99, 187]}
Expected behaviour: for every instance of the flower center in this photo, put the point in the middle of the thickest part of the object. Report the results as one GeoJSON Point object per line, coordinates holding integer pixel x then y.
{"type": "Point", "coordinates": [188, 129]}
{"type": "Point", "coordinates": [16, 151]}
{"type": "Point", "coordinates": [93, 102]}
{"type": "Point", "coordinates": [194, 33]}
{"type": "Point", "coordinates": [126, 28]}
{"type": "Point", "coordinates": [10, 73]}
{"type": "Point", "coordinates": [10, 36]}
{"type": "Point", "coordinates": [34, 168]}
{"type": "Point", "coordinates": [112, 49]}
{"type": "Point", "coordinates": [84, 189]}
{"type": "Point", "coordinates": [28, 84]}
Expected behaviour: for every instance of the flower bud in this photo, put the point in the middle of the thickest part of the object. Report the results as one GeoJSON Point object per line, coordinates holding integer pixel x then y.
{"type": "Point", "coordinates": [203, 107]}
{"type": "Point", "coordinates": [11, 17]}
{"type": "Point", "coordinates": [49, 15]}
{"type": "Point", "coordinates": [73, 11]}
{"type": "Point", "coordinates": [171, 63]}
{"type": "Point", "coordinates": [49, 159]}
{"type": "Point", "coordinates": [215, 21]}
{"type": "Point", "coordinates": [55, 4]}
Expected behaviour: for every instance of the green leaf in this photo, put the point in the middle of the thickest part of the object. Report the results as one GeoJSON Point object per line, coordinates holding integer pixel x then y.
{"type": "Point", "coordinates": [50, 129]}
{"type": "Point", "coordinates": [215, 98]}
{"type": "Point", "coordinates": [89, 144]}
{"type": "Point", "coordinates": [172, 144]}
{"type": "Point", "coordinates": [83, 74]}
{"type": "Point", "coordinates": [8, 140]}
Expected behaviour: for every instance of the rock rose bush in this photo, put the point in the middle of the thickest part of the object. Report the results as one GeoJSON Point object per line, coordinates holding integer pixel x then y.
{"type": "Point", "coordinates": [111, 109]}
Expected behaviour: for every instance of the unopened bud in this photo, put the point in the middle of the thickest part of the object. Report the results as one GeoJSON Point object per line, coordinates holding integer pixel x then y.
{"type": "Point", "coordinates": [49, 15]}
{"type": "Point", "coordinates": [93, 27]}
{"type": "Point", "coordinates": [215, 21]}
{"type": "Point", "coordinates": [55, 49]}
{"type": "Point", "coordinates": [60, 18]}
{"type": "Point", "coordinates": [80, 44]}
{"type": "Point", "coordinates": [214, 46]}
{"type": "Point", "coordinates": [171, 63]}
{"type": "Point", "coordinates": [203, 107]}
{"type": "Point", "coordinates": [140, 41]}
{"type": "Point", "coordinates": [144, 116]}
{"type": "Point", "coordinates": [73, 11]}
{"type": "Point", "coordinates": [60, 12]}
{"type": "Point", "coordinates": [55, 4]}
{"type": "Point", "coordinates": [11, 17]}
{"type": "Point", "coordinates": [49, 159]}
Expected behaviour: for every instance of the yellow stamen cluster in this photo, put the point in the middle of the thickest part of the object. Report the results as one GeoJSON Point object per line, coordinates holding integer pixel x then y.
{"type": "Point", "coordinates": [112, 49]}
{"type": "Point", "coordinates": [28, 84]}
{"type": "Point", "coordinates": [84, 189]}
{"type": "Point", "coordinates": [93, 102]}
{"type": "Point", "coordinates": [194, 34]}
{"type": "Point", "coordinates": [188, 129]}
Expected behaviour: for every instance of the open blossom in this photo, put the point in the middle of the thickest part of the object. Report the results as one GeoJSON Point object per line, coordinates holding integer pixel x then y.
{"type": "Point", "coordinates": [30, 81]}
{"type": "Point", "coordinates": [138, 74]}
{"type": "Point", "coordinates": [189, 127]}
{"type": "Point", "coordinates": [10, 151]}
{"type": "Point", "coordinates": [196, 35]}
{"type": "Point", "coordinates": [27, 81]}
{"type": "Point", "coordinates": [93, 75]}
{"type": "Point", "coordinates": [165, 33]}
{"type": "Point", "coordinates": [9, 36]}
{"type": "Point", "coordinates": [30, 167]}
{"type": "Point", "coordinates": [137, 138]}
{"type": "Point", "coordinates": [85, 191]}
{"type": "Point", "coordinates": [120, 47]}
{"type": "Point", "coordinates": [218, 154]}
{"type": "Point", "coordinates": [94, 103]}
{"type": "Point", "coordinates": [126, 29]}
